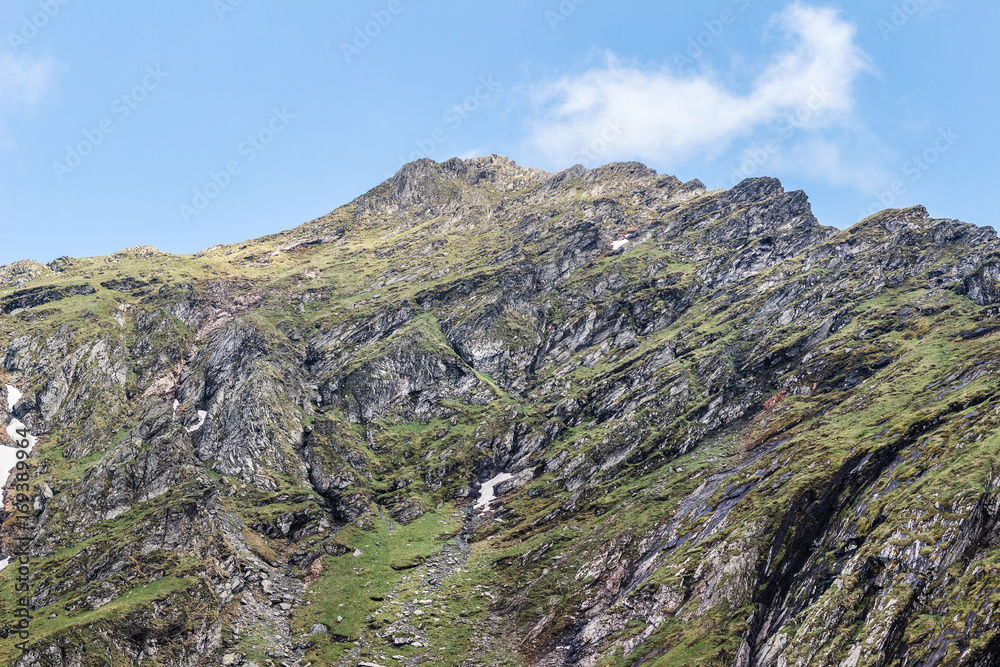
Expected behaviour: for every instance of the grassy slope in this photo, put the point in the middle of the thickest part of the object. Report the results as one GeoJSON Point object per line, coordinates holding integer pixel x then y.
{"type": "Point", "coordinates": [818, 434]}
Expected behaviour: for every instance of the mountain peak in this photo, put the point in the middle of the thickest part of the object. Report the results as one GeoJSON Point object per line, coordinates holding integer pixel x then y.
{"type": "Point", "coordinates": [494, 170]}
{"type": "Point", "coordinates": [426, 187]}
{"type": "Point", "coordinates": [20, 272]}
{"type": "Point", "coordinates": [760, 187]}
{"type": "Point", "coordinates": [479, 381]}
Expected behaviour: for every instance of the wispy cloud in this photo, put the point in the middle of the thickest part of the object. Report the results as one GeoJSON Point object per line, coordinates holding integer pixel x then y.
{"type": "Point", "coordinates": [852, 158]}
{"type": "Point", "coordinates": [23, 83]}
{"type": "Point", "coordinates": [928, 7]}
{"type": "Point", "coordinates": [666, 116]}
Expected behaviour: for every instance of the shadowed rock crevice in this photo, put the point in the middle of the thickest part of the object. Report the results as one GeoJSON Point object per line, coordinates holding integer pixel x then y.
{"type": "Point", "coordinates": [733, 436]}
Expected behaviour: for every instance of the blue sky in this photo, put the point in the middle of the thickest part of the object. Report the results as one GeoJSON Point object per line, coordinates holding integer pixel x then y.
{"type": "Point", "coordinates": [186, 124]}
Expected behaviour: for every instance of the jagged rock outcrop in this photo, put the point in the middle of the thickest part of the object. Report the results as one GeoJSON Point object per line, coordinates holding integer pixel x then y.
{"type": "Point", "coordinates": [484, 414]}
{"type": "Point", "coordinates": [20, 272]}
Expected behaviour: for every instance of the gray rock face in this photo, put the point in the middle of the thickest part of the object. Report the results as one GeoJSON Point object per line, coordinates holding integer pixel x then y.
{"type": "Point", "coordinates": [730, 433]}
{"type": "Point", "coordinates": [33, 297]}
{"type": "Point", "coordinates": [20, 272]}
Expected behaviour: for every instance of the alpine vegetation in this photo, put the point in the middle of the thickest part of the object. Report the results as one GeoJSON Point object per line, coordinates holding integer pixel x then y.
{"type": "Point", "coordinates": [490, 415]}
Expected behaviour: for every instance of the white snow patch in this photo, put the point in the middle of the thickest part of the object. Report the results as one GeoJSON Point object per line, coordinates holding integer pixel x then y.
{"type": "Point", "coordinates": [486, 494]}
{"type": "Point", "coordinates": [13, 396]}
{"type": "Point", "coordinates": [4, 563]}
{"type": "Point", "coordinates": [201, 420]}
{"type": "Point", "coordinates": [12, 430]}
{"type": "Point", "coordinates": [8, 453]}
{"type": "Point", "coordinates": [618, 244]}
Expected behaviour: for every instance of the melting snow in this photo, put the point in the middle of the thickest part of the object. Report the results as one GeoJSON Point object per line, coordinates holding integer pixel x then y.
{"type": "Point", "coordinates": [618, 244]}
{"type": "Point", "coordinates": [486, 494]}
{"type": "Point", "coordinates": [8, 453]}
{"type": "Point", "coordinates": [13, 396]}
{"type": "Point", "coordinates": [201, 420]}
{"type": "Point", "coordinates": [15, 426]}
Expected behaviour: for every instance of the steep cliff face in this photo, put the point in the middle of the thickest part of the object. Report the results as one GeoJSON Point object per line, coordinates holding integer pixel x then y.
{"type": "Point", "coordinates": [718, 433]}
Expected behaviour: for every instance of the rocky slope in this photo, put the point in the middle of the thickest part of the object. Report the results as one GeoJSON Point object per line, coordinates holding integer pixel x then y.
{"type": "Point", "coordinates": [724, 433]}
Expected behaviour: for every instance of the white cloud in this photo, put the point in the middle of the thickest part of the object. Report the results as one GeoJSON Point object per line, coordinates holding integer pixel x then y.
{"type": "Point", "coordinates": [23, 83]}
{"type": "Point", "coordinates": [622, 110]}
{"type": "Point", "coordinates": [856, 160]}
{"type": "Point", "coordinates": [928, 7]}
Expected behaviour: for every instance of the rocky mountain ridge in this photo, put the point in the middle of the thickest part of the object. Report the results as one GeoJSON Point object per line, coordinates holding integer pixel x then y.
{"type": "Point", "coordinates": [719, 433]}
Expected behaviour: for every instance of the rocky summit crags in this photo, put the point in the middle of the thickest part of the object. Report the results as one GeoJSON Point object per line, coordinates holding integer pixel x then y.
{"type": "Point", "coordinates": [489, 415]}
